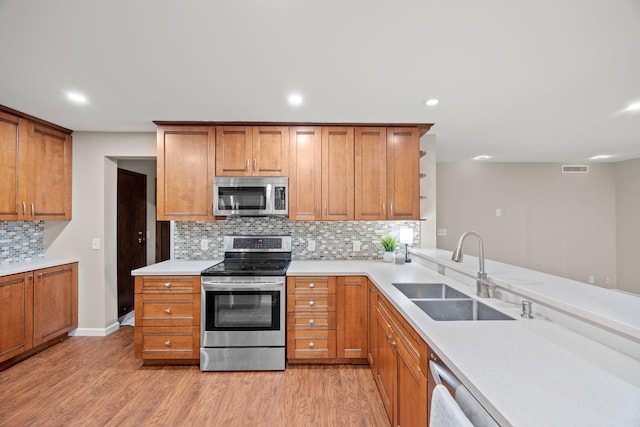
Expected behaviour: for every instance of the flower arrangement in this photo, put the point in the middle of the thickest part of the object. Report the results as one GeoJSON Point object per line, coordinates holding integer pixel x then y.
{"type": "Point", "coordinates": [389, 243]}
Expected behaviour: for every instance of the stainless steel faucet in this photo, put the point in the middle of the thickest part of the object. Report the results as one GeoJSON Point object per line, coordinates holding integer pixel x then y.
{"type": "Point", "coordinates": [481, 283]}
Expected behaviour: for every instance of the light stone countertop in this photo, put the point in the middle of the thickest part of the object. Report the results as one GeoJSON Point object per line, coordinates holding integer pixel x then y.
{"type": "Point", "coordinates": [22, 267]}
{"type": "Point", "coordinates": [524, 372]}
{"type": "Point", "coordinates": [175, 268]}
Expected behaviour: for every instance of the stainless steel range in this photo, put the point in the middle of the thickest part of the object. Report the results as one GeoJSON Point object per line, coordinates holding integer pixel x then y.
{"type": "Point", "coordinates": [243, 306]}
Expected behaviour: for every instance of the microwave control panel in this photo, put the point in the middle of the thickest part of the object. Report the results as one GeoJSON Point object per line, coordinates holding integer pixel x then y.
{"type": "Point", "coordinates": [280, 199]}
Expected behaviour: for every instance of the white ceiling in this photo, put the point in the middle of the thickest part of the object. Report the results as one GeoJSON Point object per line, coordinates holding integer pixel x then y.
{"type": "Point", "coordinates": [543, 80]}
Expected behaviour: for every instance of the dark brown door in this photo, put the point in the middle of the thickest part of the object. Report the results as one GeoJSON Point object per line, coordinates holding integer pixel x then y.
{"type": "Point", "coordinates": [132, 233]}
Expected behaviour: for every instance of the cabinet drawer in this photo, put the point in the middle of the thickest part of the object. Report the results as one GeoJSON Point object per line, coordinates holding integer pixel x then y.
{"type": "Point", "coordinates": [316, 284]}
{"type": "Point", "coordinates": [311, 303]}
{"type": "Point", "coordinates": [167, 284]}
{"type": "Point", "coordinates": [167, 343]}
{"type": "Point", "coordinates": [317, 344]}
{"type": "Point", "coordinates": [168, 310]}
{"type": "Point", "coordinates": [311, 320]}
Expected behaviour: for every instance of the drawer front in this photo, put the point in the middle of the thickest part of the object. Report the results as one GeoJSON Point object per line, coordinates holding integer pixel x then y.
{"type": "Point", "coordinates": [317, 344]}
{"type": "Point", "coordinates": [168, 343]}
{"type": "Point", "coordinates": [317, 284]}
{"type": "Point", "coordinates": [167, 284]}
{"type": "Point", "coordinates": [168, 310]}
{"type": "Point", "coordinates": [311, 303]}
{"type": "Point", "coordinates": [311, 320]}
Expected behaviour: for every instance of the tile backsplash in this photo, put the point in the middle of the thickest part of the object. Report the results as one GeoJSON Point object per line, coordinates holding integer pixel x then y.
{"type": "Point", "coordinates": [21, 241]}
{"type": "Point", "coordinates": [333, 239]}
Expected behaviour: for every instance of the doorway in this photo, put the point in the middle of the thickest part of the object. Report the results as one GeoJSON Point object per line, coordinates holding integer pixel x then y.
{"type": "Point", "coordinates": [131, 235]}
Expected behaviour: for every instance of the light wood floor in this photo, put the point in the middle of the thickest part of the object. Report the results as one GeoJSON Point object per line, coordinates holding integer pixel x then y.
{"type": "Point", "coordinates": [95, 381]}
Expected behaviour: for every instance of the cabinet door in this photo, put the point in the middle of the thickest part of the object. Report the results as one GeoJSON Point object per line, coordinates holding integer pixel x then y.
{"type": "Point", "coordinates": [270, 151]}
{"type": "Point", "coordinates": [412, 391]}
{"type": "Point", "coordinates": [403, 175]}
{"type": "Point", "coordinates": [372, 301]}
{"type": "Point", "coordinates": [234, 151]}
{"type": "Point", "coordinates": [55, 302]}
{"type": "Point", "coordinates": [337, 174]}
{"type": "Point", "coordinates": [50, 166]}
{"type": "Point", "coordinates": [16, 316]}
{"type": "Point", "coordinates": [351, 302]}
{"type": "Point", "coordinates": [386, 364]}
{"type": "Point", "coordinates": [370, 174]}
{"type": "Point", "coordinates": [186, 159]}
{"type": "Point", "coordinates": [13, 177]}
{"type": "Point", "coordinates": [305, 173]}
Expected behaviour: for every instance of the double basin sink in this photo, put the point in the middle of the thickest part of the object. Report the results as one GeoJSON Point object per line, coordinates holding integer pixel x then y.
{"type": "Point", "coordinates": [443, 303]}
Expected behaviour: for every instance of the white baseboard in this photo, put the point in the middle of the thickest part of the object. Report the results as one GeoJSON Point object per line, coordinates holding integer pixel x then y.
{"type": "Point", "coordinates": [95, 332]}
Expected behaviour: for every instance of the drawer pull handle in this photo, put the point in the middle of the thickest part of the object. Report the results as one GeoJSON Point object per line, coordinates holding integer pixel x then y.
{"type": "Point", "coordinates": [312, 285]}
{"type": "Point", "coordinates": [167, 310]}
{"type": "Point", "coordinates": [167, 285]}
{"type": "Point", "coordinates": [167, 343]}
{"type": "Point", "coordinates": [311, 303]}
{"type": "Point", "coordinates": [311, 321]}
{"type": "Point", "coordinates": [311, 345]}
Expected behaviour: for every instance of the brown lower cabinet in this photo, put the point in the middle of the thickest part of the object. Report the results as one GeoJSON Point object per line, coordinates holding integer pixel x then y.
{"type": "Point", "coordinates": [38, 307]}
{"type": "Point", "coordinates": [400, 367]}
{"type": "Point", "coordinates": [167, 310]}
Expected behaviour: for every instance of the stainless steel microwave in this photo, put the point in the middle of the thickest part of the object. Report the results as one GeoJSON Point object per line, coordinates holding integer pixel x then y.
{"type": "Point", "coordinates": [251, 195]}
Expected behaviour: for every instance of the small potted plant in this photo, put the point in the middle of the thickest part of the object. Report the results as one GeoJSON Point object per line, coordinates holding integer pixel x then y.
{"type": "Point", "coordinates": [389, 243]}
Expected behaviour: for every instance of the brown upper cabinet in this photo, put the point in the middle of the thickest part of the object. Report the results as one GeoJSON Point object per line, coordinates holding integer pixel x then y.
{"type": "Point", "coordinates": [35, 169]}
{"type": "Point", "coordinates": [337, 173]}
{"type": "Point", "coordinates": [370, 174]}
{"type": "Point", "coordinates": [305, 173]}
{"type": "Point", "coordinates": [252, 151]}
{"type": "Point", "coordinates": [186, 166]}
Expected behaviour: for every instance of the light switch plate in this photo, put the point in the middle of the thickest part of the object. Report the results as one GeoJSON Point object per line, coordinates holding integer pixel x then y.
{"type": "Point", "coordinates": [442, 232]}
{"type": "Point", "coordinates": [95, 243]}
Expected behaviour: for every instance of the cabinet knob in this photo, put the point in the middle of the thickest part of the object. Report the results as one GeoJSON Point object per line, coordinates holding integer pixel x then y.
{"type": "Point", "coordinates": [388, 336]}
{"type": "Point", "coordinates": [311, 345]}
{"type": "Point", "coordinates": [40, 275]}
{"type": "Point", "coordinates": [167, 285]}
{"type": "Point", "coordinates": [312, 285]}
{"type": "Point", "coordinates": [31, 277]}
{"type": "Point", "coordinates": [167, 310]}
{"type": "Point", "coordinates": [311, 321]}
{"type": "Point", "coordinates": [311, 303]}
{"type": "Point", "coordinates": [167, 343]}
{"type": "Point", "coordinates": [393, 343]}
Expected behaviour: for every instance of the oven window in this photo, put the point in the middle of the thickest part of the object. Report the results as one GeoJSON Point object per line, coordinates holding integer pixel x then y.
{"type": "Point", "coordinates": [242, 198]}
{"type": "Point", "coordinates": [242, 310]}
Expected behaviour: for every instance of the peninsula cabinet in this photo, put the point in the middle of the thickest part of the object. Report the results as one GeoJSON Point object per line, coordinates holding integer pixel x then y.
{"type": "Point", "coordinates": [167, 323]}
{"type": "Point", "coordinates": [400, 368]}
{"type": "Point", "coordinates": [252, 151]}
{"type": "Point", "coordinates": [35, 168]}
{"type": "Point", "coordinates": [38, 307]}
{"type": "Point", "coordinates": [186, 167]}
{"type": "Point", "coordinates": [327, 319]}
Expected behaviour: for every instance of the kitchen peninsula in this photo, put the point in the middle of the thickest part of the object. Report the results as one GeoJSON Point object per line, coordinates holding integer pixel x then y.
{"type": "Point", "coordinates": [524, 372]}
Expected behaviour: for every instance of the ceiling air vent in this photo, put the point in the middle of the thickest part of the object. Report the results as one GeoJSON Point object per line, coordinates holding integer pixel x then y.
{"type": "Point", "coordinates": [575, 169]}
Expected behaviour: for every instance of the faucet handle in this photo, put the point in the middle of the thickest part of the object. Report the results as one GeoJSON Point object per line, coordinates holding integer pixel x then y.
{"type": "Point", "coordinates": [485, 288]}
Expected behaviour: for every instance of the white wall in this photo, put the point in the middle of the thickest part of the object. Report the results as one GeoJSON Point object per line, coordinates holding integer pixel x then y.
{"type": "Point", "coordinates": [628, 221]}
{"type": "Point", "coordinates": [562, 224]}
{"type": "Point", "coordinates": [94, 215]}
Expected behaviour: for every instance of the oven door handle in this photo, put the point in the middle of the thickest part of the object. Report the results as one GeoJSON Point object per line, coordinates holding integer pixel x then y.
{"type": "Point", "coordinates": [239, 286]}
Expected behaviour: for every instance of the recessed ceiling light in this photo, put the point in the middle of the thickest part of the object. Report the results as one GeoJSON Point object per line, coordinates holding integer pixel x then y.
{"type": "Point", "coordinates": [633, 107]}
{"type": "Point", "coordinates": [601, 156]}
{"type": "Point", "coordinates": [431, 102]}
{"type": "Point", "coordinates": [77, 97]}
{"type": "Point", "coordinates": [295, 99]}
{"type": "Point", "coordinates": [482, 157]}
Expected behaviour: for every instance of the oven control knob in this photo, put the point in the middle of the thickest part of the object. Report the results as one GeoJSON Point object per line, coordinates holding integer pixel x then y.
{"type": "Point", "coordinates": [311, 303]}
{"type": "Point", "coordinates": [167, 310]}
{"type": "Point", "coordinates": [311, 321]}
{"type": "Point", "coordinates": [311, 345]}
{"type": "Point", "coordinates": [312, 285]}
{"type": "Point", "coordinates": [167, 285]}
{"type": "Point", "coordinates": [167, 343]}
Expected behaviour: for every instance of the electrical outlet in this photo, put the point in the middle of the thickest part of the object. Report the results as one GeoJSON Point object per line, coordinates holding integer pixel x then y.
{"type": "Point", "coordinates": [204, 244]}
{"type": "Point", "coordinates": [356, 246]}
{"type": "Point", "coordinates": [591, 280]}
{"type": "Point", "coordinates": [498, 212]}
{"type": "Point", "coordinates": [311, 245]}
{"type": "Point", "coordinates": [95, 243]}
